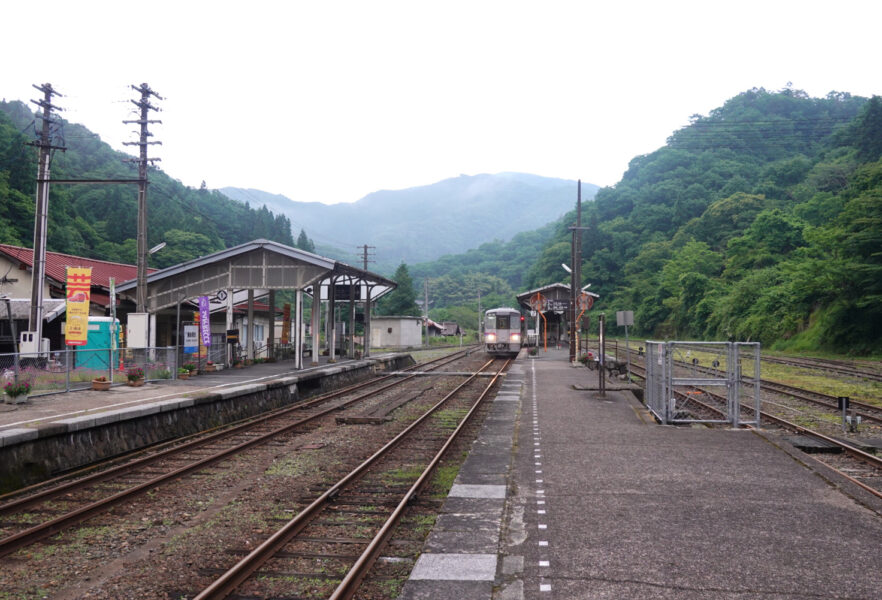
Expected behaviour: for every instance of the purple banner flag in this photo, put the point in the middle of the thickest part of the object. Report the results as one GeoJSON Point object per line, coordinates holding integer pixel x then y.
{"type": "Point", "coordinates": [204, 321]}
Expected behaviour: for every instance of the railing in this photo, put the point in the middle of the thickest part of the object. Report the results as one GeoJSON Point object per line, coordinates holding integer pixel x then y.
{"type": "Point", "coordinates": [74, 369]}
{"type": "Point", "coordinates": [675, 366]}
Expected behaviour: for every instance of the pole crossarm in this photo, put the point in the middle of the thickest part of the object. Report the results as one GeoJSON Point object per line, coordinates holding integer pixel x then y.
{"type": "Point", "coordinates": [105, 181]}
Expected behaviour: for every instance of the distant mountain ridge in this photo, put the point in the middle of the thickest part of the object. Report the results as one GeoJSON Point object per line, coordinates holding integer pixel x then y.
{"type": "Point", "coordinates": [424, 223]}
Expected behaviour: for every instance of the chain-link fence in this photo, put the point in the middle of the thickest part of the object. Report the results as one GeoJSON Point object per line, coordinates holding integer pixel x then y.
{"type": "Point", "coordinates": [677, 370]}
{"type": "Point", "coordinates": [74, 369]}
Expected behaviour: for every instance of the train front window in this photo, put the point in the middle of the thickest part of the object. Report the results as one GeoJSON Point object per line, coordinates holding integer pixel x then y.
{"type": "Point", "coordinates": [503, 321]}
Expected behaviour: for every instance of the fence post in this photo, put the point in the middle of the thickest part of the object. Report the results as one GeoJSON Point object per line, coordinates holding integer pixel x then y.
{"type": "Point", "coordinates": [67, 367]}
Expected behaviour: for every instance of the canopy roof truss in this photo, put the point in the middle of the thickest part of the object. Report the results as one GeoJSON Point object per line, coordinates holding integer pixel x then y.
{"type": "Point", "coordinates": [259, 265]}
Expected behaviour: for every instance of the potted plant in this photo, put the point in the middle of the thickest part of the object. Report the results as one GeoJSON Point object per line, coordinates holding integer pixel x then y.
{"type": "Point", "coordinates": [135, 375]}
{"type": "Point", "coordinates": [101, 384]}
{"type": "Point", "coordinates": [17, 392]}
{"type": "Point", "coordinates": [209, 366]}
{"type": "Point", "coordinates": [237, 364]}
{"type": "Point", "coordinates": [191, 368]}
{"type": "Point", "coordinates": [183, 373]}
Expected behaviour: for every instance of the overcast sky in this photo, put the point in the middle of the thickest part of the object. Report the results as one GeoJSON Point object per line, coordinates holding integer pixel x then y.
{"type": "Point", "coordinates": [329, 101]}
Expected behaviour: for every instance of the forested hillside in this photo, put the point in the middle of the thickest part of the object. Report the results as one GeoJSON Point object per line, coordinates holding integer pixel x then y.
{"type": "Point", "coordinates": [100, 221]}
{"type": "Point", "coordinates": [760, 221]}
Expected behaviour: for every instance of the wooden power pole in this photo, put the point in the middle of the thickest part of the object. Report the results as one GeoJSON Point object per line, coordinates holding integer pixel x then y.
{"type": "Point", "coordinates": [144, 105]}
{"type": "Point", "coordinates": [41, 215]}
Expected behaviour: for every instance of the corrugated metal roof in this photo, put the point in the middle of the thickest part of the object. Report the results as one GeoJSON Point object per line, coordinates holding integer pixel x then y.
{"type": "Point", "coordinates": [21, 308]}
{"type": "Point", "coordinates": [228, 253]}
{"type": "Point", "coordinates": [57, 262]}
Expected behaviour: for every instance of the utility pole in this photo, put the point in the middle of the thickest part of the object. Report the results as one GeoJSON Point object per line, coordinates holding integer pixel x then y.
{"type": "Point", "coordinates": [576, 274]}
{"type": "Point", "coordinates": [479, 316]}
{"type": "Point", "coordinates": [365, 257]}
{"type": "Point", "coordinates": [41, 214]}
{"type": "Point", "coordinates": [144, 105]}
{"type": "Point", "coordinates": [426, 308]}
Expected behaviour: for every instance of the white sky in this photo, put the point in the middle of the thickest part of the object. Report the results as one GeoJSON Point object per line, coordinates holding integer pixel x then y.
{"type": "Point", "coordinates": [328, 101]}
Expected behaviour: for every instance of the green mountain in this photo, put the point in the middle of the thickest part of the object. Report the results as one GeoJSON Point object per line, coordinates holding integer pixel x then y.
{"type": "Point", "coordinates": [761, 221]}
{"type": "Point", "coordinates": [100, 221]}
{"type": "Point", "coordinates": [424, 223]}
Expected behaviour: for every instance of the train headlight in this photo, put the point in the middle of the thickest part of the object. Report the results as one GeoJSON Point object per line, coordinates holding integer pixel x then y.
{"type": "Point", "coordinates": [489, 337]}
{"type": "Point", "coordinates": [516, 337]}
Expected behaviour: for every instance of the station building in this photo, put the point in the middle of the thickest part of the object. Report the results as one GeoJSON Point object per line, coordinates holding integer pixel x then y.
{"type": "Point", "coordinates": [241, 284]}
{"type": "Point", "coordinates": [548, 307]}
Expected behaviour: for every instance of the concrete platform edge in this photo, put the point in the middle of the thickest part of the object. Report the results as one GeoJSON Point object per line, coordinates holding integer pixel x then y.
{"type": "Point", "coordinates": [460, 557]}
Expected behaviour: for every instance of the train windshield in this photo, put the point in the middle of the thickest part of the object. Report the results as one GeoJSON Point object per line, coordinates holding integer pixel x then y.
{"type": "Point", "coordinates": [503, 321]}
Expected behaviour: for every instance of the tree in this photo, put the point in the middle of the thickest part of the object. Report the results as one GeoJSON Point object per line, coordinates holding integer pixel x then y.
{"type": "Point", "coordinates": [402, 300]}
{"type": "Point", "coordinates": [304, 243]}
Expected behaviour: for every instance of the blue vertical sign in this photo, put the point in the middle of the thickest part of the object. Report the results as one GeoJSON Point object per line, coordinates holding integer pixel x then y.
{"type": "Point", "coordinates": [204, 321]}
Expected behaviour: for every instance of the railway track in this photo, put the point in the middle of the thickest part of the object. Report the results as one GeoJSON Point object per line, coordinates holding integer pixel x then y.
{"type": "Point", "coordinates": [40, 511]}
{"type": "Point", "coordinates": [417, 449]}
{"type": "Point", "coordinates": [870, 413]}
{"type": "Point", "coordinates": [837, 366]}
{"type": "Point", "coordinates": [872, 471]}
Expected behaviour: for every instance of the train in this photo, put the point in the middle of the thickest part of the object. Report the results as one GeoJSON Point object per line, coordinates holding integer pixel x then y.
{"type": "Point", "coordinates": [503, 331]}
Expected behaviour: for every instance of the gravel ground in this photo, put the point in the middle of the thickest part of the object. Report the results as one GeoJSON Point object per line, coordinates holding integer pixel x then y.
{"type": "Point", "coordinates": [172, 541]}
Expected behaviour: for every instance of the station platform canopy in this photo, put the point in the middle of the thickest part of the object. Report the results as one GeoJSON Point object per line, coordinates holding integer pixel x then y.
{"type": "Point", "coordinates": [259, 266]}
{"type": "Point", "coordinates": [240, 275]}
{"type": "Point", "coordinates": [554, 297]}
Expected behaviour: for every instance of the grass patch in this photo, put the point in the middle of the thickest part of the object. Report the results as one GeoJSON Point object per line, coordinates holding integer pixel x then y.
{"type": "Point", "coordinates": [401, 475]}
{"type": "Point", "coordinates": [449, 418]}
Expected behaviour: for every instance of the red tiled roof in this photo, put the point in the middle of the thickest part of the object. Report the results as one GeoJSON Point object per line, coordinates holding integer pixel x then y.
{"type": "Point", "coordinates": [56, 262]}
{"type": "Point", "coordinates": [258, 307]}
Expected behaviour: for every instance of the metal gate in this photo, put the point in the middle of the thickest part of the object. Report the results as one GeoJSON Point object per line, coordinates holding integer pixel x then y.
{"type": "Point", "coordinates": [675, 370]}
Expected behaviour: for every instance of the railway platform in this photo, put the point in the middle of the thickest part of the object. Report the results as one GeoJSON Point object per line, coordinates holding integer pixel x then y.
{"type": "Point", "coordinates": [50, 407]}
{"type": "Point", "coordinates": [57, 433]}
{"type": "Point", "coordinates": [570, 495]}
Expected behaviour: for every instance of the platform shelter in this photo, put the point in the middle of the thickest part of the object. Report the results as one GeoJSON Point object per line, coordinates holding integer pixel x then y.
{"type": "Point", "coordinates": [257, 270]}
{"type": "Point", "coordinates": [549, 309]}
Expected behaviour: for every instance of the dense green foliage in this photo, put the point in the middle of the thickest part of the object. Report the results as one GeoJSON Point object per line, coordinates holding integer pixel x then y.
{"type": "Point", "coordinates": [401, 301]}
{"type": "Point", "coordinates": [100, 221]}
{"type": "Point", "coordinates": [761, 221]}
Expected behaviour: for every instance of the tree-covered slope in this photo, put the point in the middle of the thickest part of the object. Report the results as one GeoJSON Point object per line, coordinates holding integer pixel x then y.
{"type": "Point", "coordinates": [100, 221]}
{"type": "Point", "coordinates": [761, 221]}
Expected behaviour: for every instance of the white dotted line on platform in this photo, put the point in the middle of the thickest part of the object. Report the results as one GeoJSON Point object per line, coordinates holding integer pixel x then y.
{"type": "Point", "coordinates": [540, 493]}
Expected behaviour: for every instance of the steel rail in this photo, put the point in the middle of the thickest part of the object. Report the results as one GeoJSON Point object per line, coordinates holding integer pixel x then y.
{"type": "Point", "coordinates": [848, 448]}
{"type": "Point", "coordinates": [349, 585]}
{"type": "Point", "coordinates": [856, 452]}
{"type": "Point", "coordinates": [799, 394]}
{"type": "Point", "coordinates": [28, 536]}
{"type": "Point", "coordinates": [225, 431]}
{"type": "Point", "coordinates": [825, 365]}
{"type": "Point", "coordinates": [227, 583]}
